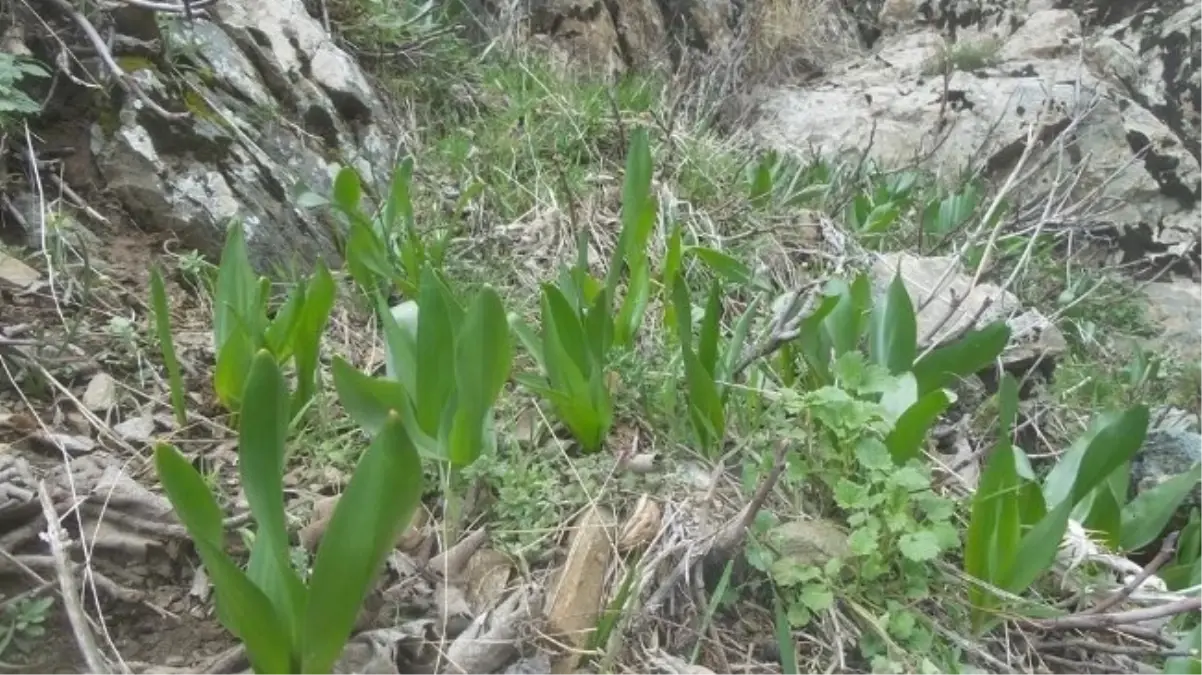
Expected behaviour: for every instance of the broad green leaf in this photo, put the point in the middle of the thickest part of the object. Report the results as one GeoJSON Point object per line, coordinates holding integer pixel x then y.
{"type": "Point", "coordinates": [899, 393]}
{"type": "Point", "coordinates": [1114, 443]}
{"type": "Point", "coordinates": [672, 259]}
{"type": "Point", "coordinates": [906, 439]}
{"type": "Point", "coordinates": [236, 291]}
{"type": "Point", "coordinates": [784, 638]}
{"type": "Point", "coordinates": [367, 259]}
{"type": "Point", "coordinates": [1058, 484]}
{"type": "Point", "coordinates": [667, 277]}
{"type": "Point", "coordinates": [400, 341]}
{"type": "Point", "coordinates": [711, 322]}
{"type": "Point", "coordinates": [724, 265]}
{"type": "Point", "coordinates": [528, 338]}
{"type": "Point", "coordinates": [587, 417]}
{"type": "Point", "coordinates": [1036, 552]}
{"type": "Point", "coordinates": [880, 218]}
{"type": "Point", "coordinates": [993, 527]}
{"type": "Point", "coordinates": [814, 342]}
{"type": "Point", "coordinates": [683, 308]}
{"type": "Point", "coordinates": [1189, 546]}
{"type": "Point", "coordinates": [599, 327]}
{"type": "Point", "coordinates": [760, 182]}
{"type": "Point", "coordinates": [568, 332]}
{"type": "Point", "coordinates": [262, 432]}
{"type": "Point", "coordinates": [634, 305]}
{"type": "Point", "coordinates": [242, 607]}
{"type": "Point", "coordinates": [845, 323]}
{"type": "Point", "coordinates": [1145, 517]}
{"type": "Point", "coordinates": [965, 357]}
{"type": "Point", "coordinates": [162, 324]}
{"type": "Point", "coordinates": [1007, 397]}
{"type": "Point", "coordinates": [278, 337]}
{"type": "Point", "coordinates": [483, 356]}
{"type": "Point", "coordinates": [435, 352]}
{"type": "Point", "coordinates": [366, 399]}
{"type": "Point", "coordinates": [306, 341]}
{"type": "Point", "coordinates": [893, 339]}
{"type": "Point", "coordinates": [1105, 512]}
{"type": "Point", "coordinates": [348, 191]}
{"type": "Point", "coordinates": [704, 401]}
{"type": "Point", "coordinates": [377, 505]}
{"type": "Point", "coordinates": [638, 208]}
{"type": "Point", "coordinates": [233, 363]}
{"type": "Point", "coordinates": [399, 207]}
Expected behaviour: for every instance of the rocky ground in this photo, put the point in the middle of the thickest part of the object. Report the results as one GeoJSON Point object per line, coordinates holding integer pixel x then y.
{"type": "Point", "coordinates": [1032, 163]}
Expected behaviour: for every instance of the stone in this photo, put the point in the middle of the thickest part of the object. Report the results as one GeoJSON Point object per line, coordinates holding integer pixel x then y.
{"type": "Point", "coordinates": [101, 394]}
{"type": "Point", "coordinates": [1176, 308]}
{"type": "Point", "coordinates": [1165, 454]}
{"type": "Point", "coordinates": [136, 429]}
{"type": "Point", "coordinates": [284, 107]}
{"type": "Point", "coordinates": [1045, 35]}
{"type": "Point", "coordinates": [16, 274]}
{"type": "Point", "coordinates": [576, 598]}
{"type": "Point", "coordinates": [74, 446]}
{"type": "Point", "coordinates": [895, 110]}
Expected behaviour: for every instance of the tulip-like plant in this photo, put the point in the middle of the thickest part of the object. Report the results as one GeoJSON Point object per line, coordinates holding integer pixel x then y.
{"type": "Point", "coordinates": [579, 322]}
{"type": "Point", "coordinates": [241, 326]}
{"type": "Point", "coordinates": [285, 625]}
{"type": "Point", "coordinates": [446, 367]}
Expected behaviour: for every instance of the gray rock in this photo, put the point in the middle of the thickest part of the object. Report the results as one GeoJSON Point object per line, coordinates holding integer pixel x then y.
{"type": "Point", "coordinates": [1142, 175]}
{"type": "Point", "coordinates": [1165, 454]}
{"type": "Point", "coordinates": [1176, 307]}
{"type": "Point", "coordinates": [280, 108]}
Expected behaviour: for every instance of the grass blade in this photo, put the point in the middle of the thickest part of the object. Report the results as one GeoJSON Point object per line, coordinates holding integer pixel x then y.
{"type": "Point", "coordinates": [162, 324]}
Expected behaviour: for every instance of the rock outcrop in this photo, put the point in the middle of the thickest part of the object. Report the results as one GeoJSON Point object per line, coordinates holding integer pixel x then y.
{"type": "Point", "coordinates": [972, 103]}
{"type": "Point", "coordinates": [262, 102]}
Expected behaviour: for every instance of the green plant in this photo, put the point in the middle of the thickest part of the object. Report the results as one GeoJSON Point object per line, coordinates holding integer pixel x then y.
{"type": "Point", "coordinates": [579, 327]}
{"type": "Point", "coordinates": [241, 326]}
{"type": "Point", "coordinates": [288, 626]}
{"type": "Point", "coordinates": [15, 103]}
{"type": "Point", "coordinates": [1016, 528]}
{"type": "Point", "coordinates": [23, 623]}
{"type": "Point", "coordinates": [780, 181]}
{"type": "Point", "coordinates": [386, 249]}
{"type": "Point", "coordinates": [445, 368]}
{"type": "Point", "coordinates": [898, 524]}
{"type": "Point", "coordinates": [709, 368]}
{"type": "Point", "coordinates": [876, 207]}
{"type": "Point", "coordinates": [162, 322]}
{"type": "Point", "coordinates": [846, 316]}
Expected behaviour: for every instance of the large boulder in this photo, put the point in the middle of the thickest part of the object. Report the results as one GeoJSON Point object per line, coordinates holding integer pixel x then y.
{"type": "Point", "coordinates": [262, 103]}
{"type": "Point", "coordinates": [773, 38]}
{"type": "Point", "coordinates": [919, 99]}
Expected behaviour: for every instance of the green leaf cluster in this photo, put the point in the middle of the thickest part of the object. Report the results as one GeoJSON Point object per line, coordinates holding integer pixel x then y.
{"type": "Point", "coordinates": [446, 366]}
{"type": "Point", "coordinates": [286, 625]}
{"type": "Point", "coordinates": [385, 250]}
{"type": "Point", "coordinates": [242, 325]}
{"type": "Point", "coordinates": [579, 326]}
{"type": "Point", "coordinates": [1017, 523]}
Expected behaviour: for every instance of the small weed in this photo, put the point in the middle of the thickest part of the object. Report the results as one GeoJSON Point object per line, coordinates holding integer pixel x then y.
{"type": "Point", "coordinates": [965, 56]}
{"type": "Point", "coordinates": [22, 624]}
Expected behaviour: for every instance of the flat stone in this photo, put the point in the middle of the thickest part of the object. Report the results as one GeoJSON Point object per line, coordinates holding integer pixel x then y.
{"type": "Point", "coordinates": [17, 274]}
